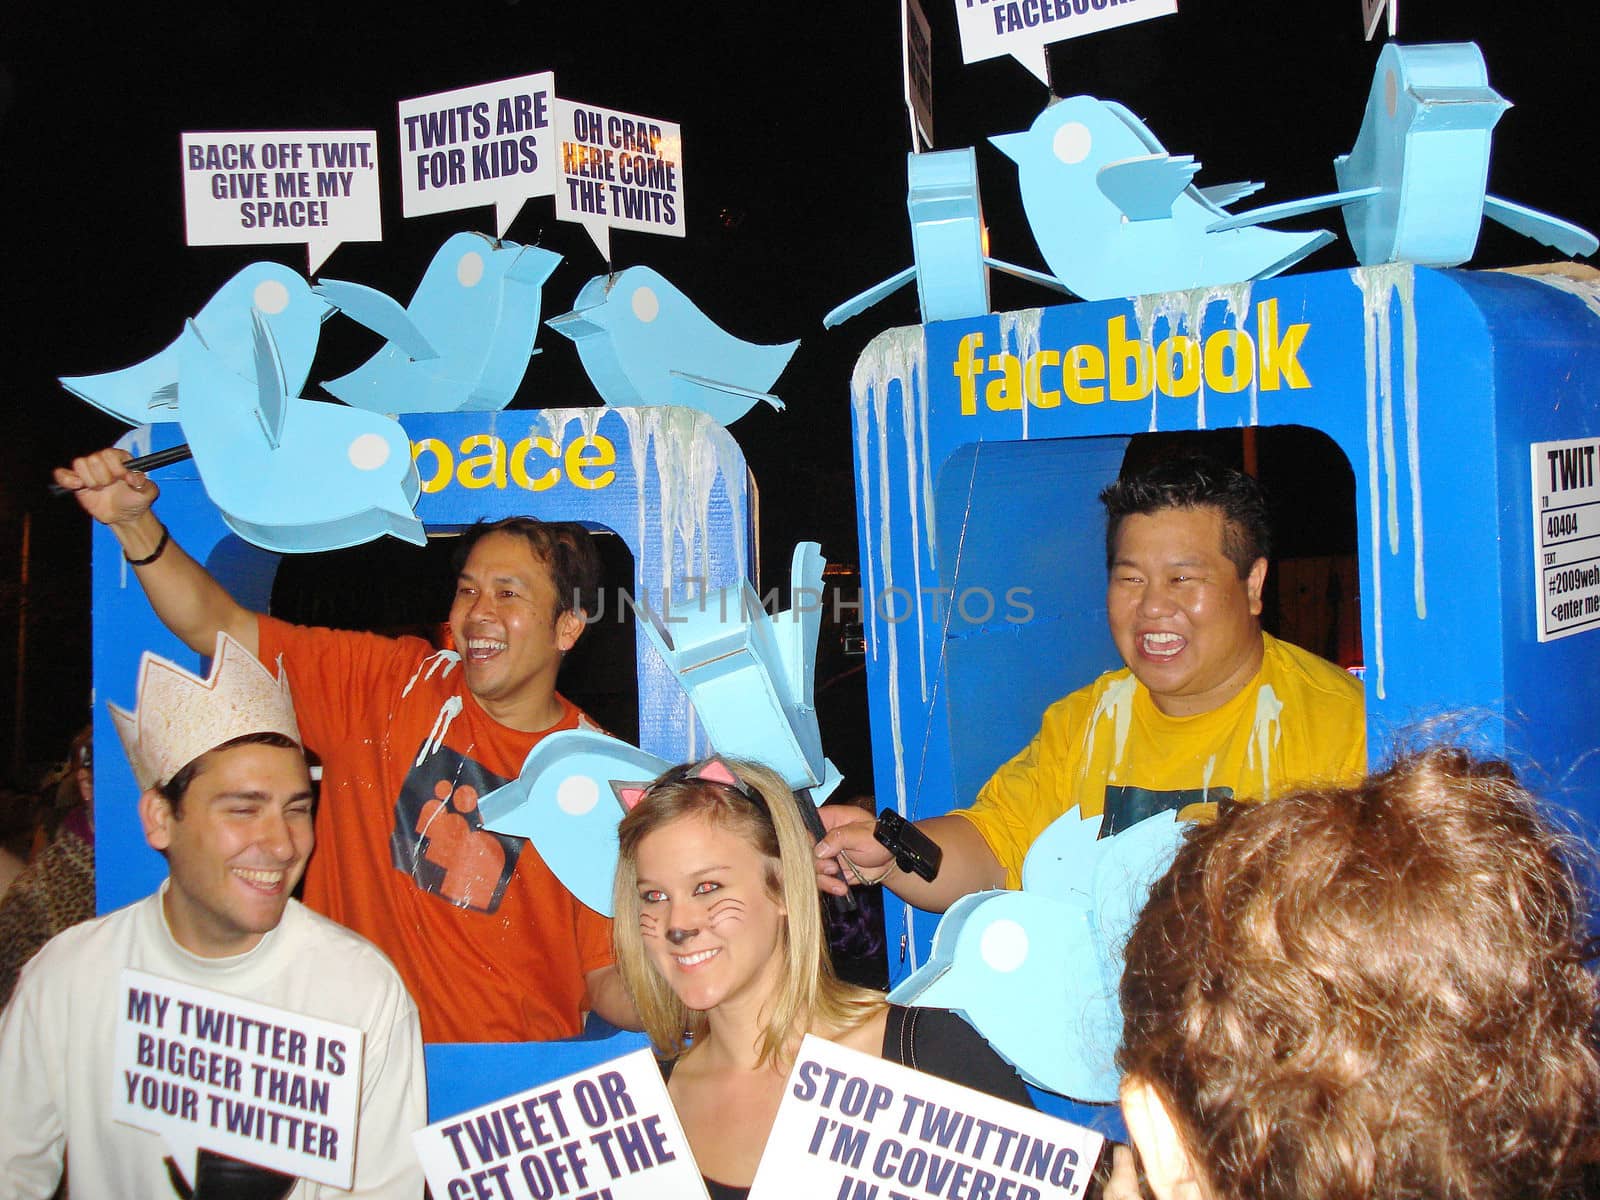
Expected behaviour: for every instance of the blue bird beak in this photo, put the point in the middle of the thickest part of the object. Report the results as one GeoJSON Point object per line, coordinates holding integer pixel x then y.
{"type": "Point", "coordinates": [1012, 145]}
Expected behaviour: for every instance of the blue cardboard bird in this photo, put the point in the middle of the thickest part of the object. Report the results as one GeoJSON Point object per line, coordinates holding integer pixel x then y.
{"type": "Point", "coordinates": [1115, 215]}
{"type": "Point", "coordinates": [750, 678]}
{"type": "Point", "coordinates": [1001, 958]}
{"type": "Point", "coordinates": [291, 475]}
{"type": "Point", "coordinates": [564, 801]}
{"type": "Point", "coordinates": [947, 244]}
{"type": "Point", "coordinates": [147, 392]}
{"type": "Point", "coordinates": [1413, 188]}
{"type": "Point", "coordinates": [644, 343]}
{"type": "Point", "coordinates": [464, 341]}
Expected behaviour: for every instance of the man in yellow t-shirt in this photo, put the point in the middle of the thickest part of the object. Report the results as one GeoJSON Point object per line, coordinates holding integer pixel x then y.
{"type": "Point", "coordinates": [1207, 708]}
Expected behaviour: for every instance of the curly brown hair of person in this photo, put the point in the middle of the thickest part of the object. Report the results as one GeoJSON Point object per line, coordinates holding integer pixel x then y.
{"type": "Point", "coordinates": [1371, 993]}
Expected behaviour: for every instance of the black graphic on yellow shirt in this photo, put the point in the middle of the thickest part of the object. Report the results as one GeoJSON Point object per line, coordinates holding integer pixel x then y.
{"type": "Point", "coordinates": [1127, 806]}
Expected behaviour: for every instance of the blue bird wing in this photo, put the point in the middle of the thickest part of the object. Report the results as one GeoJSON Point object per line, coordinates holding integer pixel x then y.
{"type": "Point", "coordinates": [1572, 240]}
{"type": "Point", "coordinates": [1027, 273]}
{"type": "Point", "coordinates": [862, 301]}
{"type": "Point", "coordinates": [1136, 126]}
{"type": "Point", "coordinates": [731, 389]}
{"type": "Point", "coordinates": [1220, 195]}
{"type": "Point", "coordinates": [272, 401]}
{"type": "Point", "coordinates": [1292, 208]}
{"type": "Point", "coordinates": [1145, 188]}
{"type": "Point", "coordinates": [379, 312]}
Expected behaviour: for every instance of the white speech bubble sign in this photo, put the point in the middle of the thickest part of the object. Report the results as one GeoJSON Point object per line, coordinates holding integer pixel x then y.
{"type": "Point", "coordinates": [854, 1125]}
{"type": "Point", "coordinates": [609, 1130]}
{"type": "Point", "coordinates": [487, 144]}
{"type": "Point", "coordinates": [1023, 28]}
{"type": "Point", "coordinates": [319, 187]}
{"type": "Point", "coordinates": [210, 1071]}
{"type": "Point", "coordinates": [618, 170]}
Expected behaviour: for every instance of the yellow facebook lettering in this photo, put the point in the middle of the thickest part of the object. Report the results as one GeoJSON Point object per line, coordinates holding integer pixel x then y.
{"type": "Point", "coordinates": [1119, 353]}
{"type": "Point", "coordinates": [1005, 393]}
{"type": "Point", "coordinates": [1084, 365]}
{"type": "Point", "coordinates": [1127, 369]}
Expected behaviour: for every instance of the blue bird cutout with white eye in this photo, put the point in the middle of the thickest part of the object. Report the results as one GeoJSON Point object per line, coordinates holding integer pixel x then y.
{"type": "Point", "coordinates": [564, 802]}
{"type": "Point", "coordinates": [292, 475]}
{"type": "Point", "coordinates": [147, 392]}
{"type": "Point", "coordinates": [950, 267]}
{"type": "Point", "coordinates": [644, 343]}
{"type": "Point", "coordinates": [750, 678]}
{"type": "Point", "coordinates": [464, 341]}
{"type": "Point", "coordinates": [1115, 215]}
{"type": "Point", "coordinates": [1001, 958]}
{"type": "Point", "coordinates": [1413, 188]}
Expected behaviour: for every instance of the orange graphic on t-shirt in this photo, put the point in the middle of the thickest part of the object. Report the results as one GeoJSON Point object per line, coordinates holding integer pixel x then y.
{"type": "Point", "coordinates": [470, 858]}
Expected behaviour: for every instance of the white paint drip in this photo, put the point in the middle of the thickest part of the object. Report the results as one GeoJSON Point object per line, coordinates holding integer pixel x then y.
{"type": "Point", "coordinates": [1266, 731]}
{"type": "Point", "coordinates": [1117, 702]}
{"type": "Point", "coordinates": [894, 355]}
{"type": "Point", "coordinates": [439, 660]}
{"type": "Point", "coordinates": [1020, 331]}
{"type": "Point", "coordinates": [1378, 284]}
{"type": "Point", "coordinates": [689, 451]}
{"type": "Point", "coordinates": [448, 712]}
{"type": "Point", "coordinates": [1185, 313]}
{"type": "Point", "coordinates": [1586, 290]}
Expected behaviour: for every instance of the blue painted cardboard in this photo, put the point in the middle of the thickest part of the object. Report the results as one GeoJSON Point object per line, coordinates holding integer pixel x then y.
{"type": "Point", "coordinates": [1413, 188]}
{"type": "Point", "coordinates": [464, 341]}
{"type": "Point", "coordinates": [1115, 215]}
{"type": "Point", "coordinates": [253, 442]}
{"type": "Point", "coordinates": [749, 677]}
{"type": "Point", "coordinates": [947, 237]}
{"type": "Point", "coordinates": [643, 342]}
{"type": "Point", "coordinates": [671, 483]}
{"type": "Point", "coordinates": [980, 445]}
{"type": "Point", "coordinates": [147, 391]}
{"type": "Point", "coordinates": [996, 953]}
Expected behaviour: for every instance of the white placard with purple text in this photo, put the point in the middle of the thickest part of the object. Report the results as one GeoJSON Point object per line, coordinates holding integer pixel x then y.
{"type": "Point", "coordinates": [606, 1133]}
{"type": "Point", "coordinates": [205, 1070]}
{"type": "Point", "coordinates": [854, 1125]}
{"type": "Point", "coordinates": [250, 189]}
{"type": "Point", "coordinates": [488, 144]}
{"type": "Point", "coordinates": [1023, 28]}
{"type": "Point", "coordinates": [618, 171]}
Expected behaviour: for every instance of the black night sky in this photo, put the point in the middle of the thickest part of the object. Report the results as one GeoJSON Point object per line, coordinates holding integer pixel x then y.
{"type": "Point", "coordinates": [794, 142]}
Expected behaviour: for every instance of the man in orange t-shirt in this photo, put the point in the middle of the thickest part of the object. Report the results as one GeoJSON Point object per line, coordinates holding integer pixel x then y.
{"type": "Point", "coordinates": [490, 945]}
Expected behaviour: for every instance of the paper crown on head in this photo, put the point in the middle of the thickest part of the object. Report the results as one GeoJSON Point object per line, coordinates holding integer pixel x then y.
{"type": "Point", "coordinates": [178, 716]}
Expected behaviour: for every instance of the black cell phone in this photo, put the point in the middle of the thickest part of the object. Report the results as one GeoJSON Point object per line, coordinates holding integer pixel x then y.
{"type": "Point", "coordinates": [913, 850]}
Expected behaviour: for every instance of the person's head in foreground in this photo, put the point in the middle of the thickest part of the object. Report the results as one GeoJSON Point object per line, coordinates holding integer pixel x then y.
{"type": "Point", "coordinates": [226, 796]}
{"type": "Point", "coordinates": [717, 915]}
{"type": "Point", "coordinates": [1365, 993]}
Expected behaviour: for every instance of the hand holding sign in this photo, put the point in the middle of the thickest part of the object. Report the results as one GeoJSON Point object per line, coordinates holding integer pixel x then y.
{"type": "Point", "coordinates": [248, 189]}
{"type": "Point", "coordinates": [618, 171]}
{"type": "Point", "coordinates": [210, 1071]}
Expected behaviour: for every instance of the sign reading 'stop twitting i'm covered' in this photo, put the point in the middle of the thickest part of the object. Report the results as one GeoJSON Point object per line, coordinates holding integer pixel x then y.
{"type": "Point", "coordinates": [1566, 536]}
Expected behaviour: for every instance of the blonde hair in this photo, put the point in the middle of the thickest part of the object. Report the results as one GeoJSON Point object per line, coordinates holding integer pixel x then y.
{"type": "Point", "coordinates": [809, 997]}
